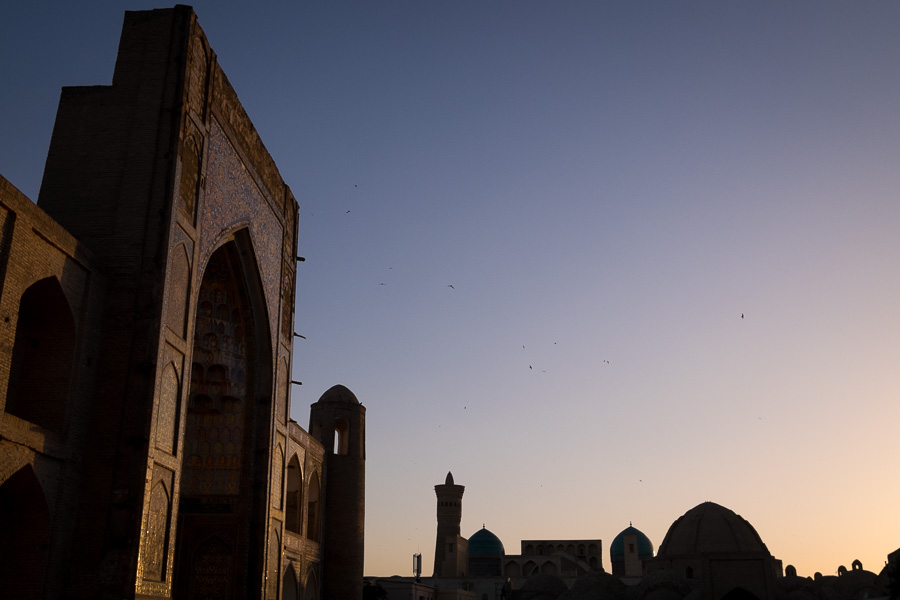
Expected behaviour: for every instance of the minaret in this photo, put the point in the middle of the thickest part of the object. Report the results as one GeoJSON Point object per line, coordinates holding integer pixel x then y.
{"type": "Point", "coordinates": [450, 549]}
{"type": "Point", "coordinates": [338, 420]}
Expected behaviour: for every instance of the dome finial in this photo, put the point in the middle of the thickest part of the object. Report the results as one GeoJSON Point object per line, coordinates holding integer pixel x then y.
{"type": "Point", "coordinates": [449, 480]}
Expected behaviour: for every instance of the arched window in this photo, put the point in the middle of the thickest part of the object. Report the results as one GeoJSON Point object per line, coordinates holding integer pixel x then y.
{"type": "Point", "coordinates": [42, 357]}
{"type": "Point", "coordinates": [341, 435]}
{"type": "Point", "coordinates": [294, 509]}
{"type": "Point", "coordinates": [689, 572]}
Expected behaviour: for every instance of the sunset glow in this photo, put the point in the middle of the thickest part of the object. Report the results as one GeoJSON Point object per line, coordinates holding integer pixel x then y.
{"type": "Point", "coordinates": [602, 261]}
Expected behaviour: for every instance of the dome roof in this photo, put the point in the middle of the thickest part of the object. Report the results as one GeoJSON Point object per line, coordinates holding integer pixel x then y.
{"type": "Point", "coordinates": [543, 586]}
{"type": "Point", "coordinates": [644, 546]}
{"type": "Point", "coordinates": [595, 585]}
{"type": "Point", "coordinates": [339, 393]}
{"type": "Point", "coordinates": [709, 528]}
{"type": "Point", "coordinates": [485, 543]}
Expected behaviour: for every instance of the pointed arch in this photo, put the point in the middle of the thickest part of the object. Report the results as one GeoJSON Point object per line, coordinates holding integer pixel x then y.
{"type": "Point", "coordinates": [43, 356]}
{"type": "Point", "coordinates": [311, 590]}
{"type": "Point", "coordinates": [178, 290]}
{"type": "Point", "coordinates": [313, 508]}
{"type": "Point", "coordinates": [513, 569]}
{"type": "Point", "coordinates": [24, 526]}
{"type": "Point", "coordinates": [289, 586]}
{"type": "Point", "coordinates": [167, 411]}
{"type": "Point", "coordinates": [227, 455]}
{"type": "Point", "coordinates": [154, 542]}
{"type": "Point", "coordinates": [278, 478]}
{"type": "Point", "coordinates": [274, 563]}
{"type": "Point", "coordinates": [294, 507]}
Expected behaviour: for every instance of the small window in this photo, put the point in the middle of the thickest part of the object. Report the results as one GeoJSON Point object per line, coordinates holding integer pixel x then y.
{"type": "Point", "coordinates": [631, 548]}
{"type": "Point", "coordinates": [341, 430]}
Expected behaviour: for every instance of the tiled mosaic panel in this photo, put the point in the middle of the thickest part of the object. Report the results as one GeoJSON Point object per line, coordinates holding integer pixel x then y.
{"type": "Point", "coordinates": [233, 199]}
{"type": "Point", "coordinates": [217, 413]}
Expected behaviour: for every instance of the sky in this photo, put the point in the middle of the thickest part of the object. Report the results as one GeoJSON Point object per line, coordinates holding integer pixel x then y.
{"type": "Point", "coordinates": [604, 261]}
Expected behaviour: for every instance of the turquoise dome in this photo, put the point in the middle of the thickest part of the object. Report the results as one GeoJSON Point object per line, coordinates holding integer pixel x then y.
{"type": "Point", "coordinates": [644, 549]}
{"type": "Point", "coordinates": [485, 543]}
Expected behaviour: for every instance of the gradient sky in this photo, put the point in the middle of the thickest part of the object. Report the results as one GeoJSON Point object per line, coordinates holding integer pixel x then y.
{"type": "Point", "coordinates": [598, 182]}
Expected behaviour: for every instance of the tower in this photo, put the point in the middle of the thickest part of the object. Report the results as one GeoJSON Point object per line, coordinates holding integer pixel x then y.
{"type": "Point", "coordinates": [338, 421]}
{"type": "Point", "coordinates": [450, 548]}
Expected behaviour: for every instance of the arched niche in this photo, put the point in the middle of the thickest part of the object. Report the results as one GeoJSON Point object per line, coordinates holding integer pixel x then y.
{"type": "Point", "coordinates": [43, 355]}
{"type": "Point", "coordinates": [25, 531]}
{"type": "Point", "coordinates": [227, 440]}
{"type": "Point", "coordinates": [313, 518]}
{"type": "Point", "coordinates": [289, 587]}
{"type": "Point", "coordinates": [294, 506]}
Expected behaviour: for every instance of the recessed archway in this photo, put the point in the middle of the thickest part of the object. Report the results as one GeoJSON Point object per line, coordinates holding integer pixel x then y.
{"type": "Point", "coordinates": [43, 353]}
{"type": "Point", "coordinates": [226, 453]}
{"type": "Point", "coordinates": [24, 527]}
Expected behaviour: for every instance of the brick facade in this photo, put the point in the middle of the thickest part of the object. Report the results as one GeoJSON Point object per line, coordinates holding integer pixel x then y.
{"type": "Point", "coordinates": [146, 320]}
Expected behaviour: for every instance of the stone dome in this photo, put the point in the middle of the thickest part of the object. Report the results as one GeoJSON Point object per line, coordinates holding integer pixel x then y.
{"type": "Point", "coordinates": [483, 543]}
{"type": "Point", "coordinates": [542, 587]}
{"type": "Point", "coordinates": [710, 528]}
{"type": "Point", "coordinates": [644, 545]}
{"type": "Point", "coordinates": [339, 393]}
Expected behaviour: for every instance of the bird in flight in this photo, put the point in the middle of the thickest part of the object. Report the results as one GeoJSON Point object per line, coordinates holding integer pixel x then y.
{"type": "Point", "coordinates": [451, 287]}
{"type": "Point", "coordinates": [742, 315]}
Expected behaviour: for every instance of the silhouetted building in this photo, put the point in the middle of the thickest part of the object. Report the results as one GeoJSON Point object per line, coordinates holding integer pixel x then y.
{"type": "Point", "coordinates": [147, 309]}
{"type": "Point", "coordinates": [450, 548]}
{"type": "Point", "coordinates": [629, 551]}
{"type": "Point", "coordinates": [485, 554]}
{"type": "Point", "coordinates": [719, 552]}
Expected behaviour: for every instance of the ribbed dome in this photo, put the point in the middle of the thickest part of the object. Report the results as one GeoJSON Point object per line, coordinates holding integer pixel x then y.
{"type": "Point", "coordinates": [339, 393]}
{"type": "Point", "coordinates": [708, 528]}
{"type": "Point", "coordinates": [485, 543]}
{"type": "Point", "coordinates": [644, 546]}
